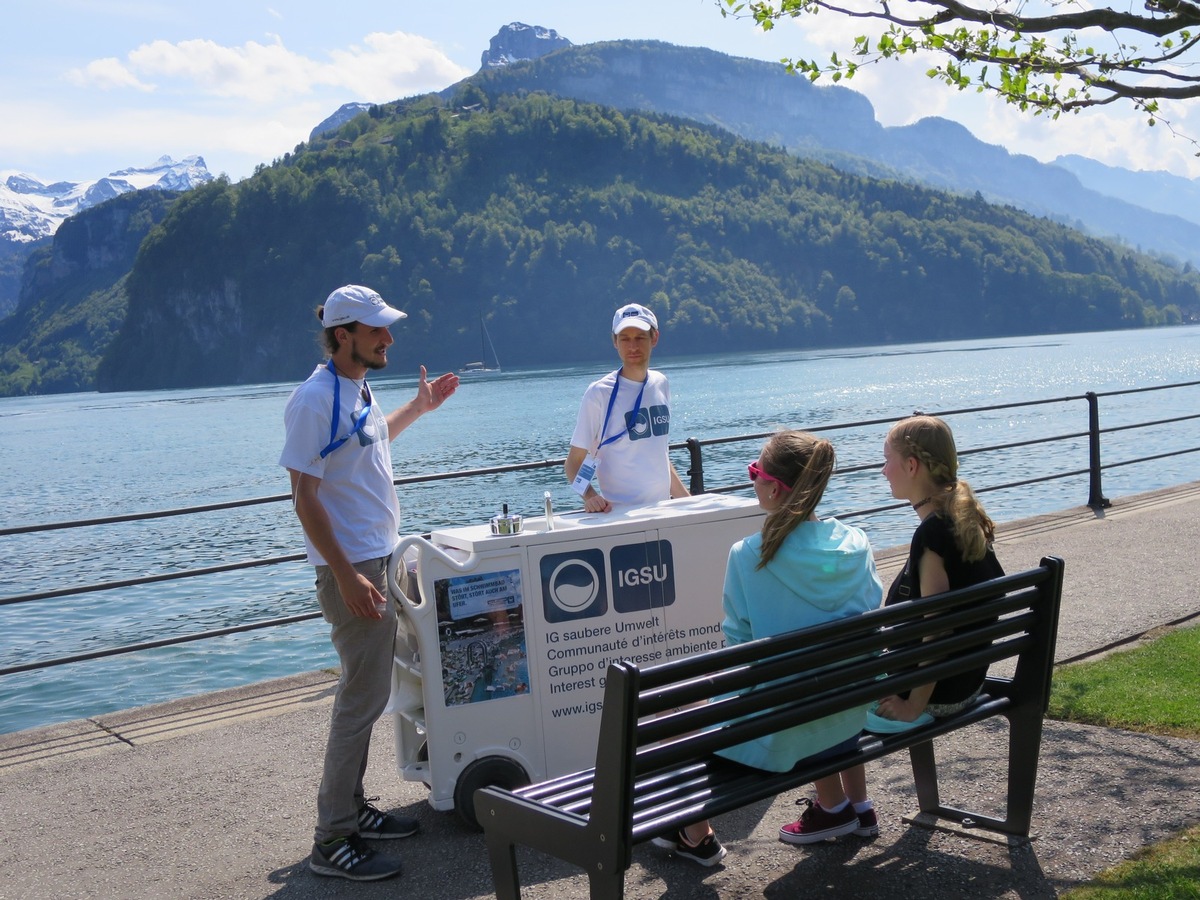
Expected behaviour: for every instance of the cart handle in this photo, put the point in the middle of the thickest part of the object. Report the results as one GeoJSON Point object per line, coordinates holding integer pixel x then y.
{"type": "Point", "coordinates": [397, 559]}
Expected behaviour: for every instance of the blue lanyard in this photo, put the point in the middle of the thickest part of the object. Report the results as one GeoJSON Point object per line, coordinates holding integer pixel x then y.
{"type": "Point", "coordinates": [359, 421]}
{"type": "Point", "coordinates": [637, 406]}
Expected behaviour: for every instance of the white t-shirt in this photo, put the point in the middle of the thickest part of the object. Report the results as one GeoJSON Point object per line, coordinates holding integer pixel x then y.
{"type": "Point", "coordinates": [634, 469]}
{"type": "Point", "coordinates": [356, 479]}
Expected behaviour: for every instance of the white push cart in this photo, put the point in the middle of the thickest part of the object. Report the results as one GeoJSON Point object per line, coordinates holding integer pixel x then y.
{"type": "Point", "coordinates": [505, 641]}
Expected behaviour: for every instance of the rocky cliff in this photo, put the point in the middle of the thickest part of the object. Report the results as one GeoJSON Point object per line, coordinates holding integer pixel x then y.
{"type": "Point", "coordinates": [519, 41]}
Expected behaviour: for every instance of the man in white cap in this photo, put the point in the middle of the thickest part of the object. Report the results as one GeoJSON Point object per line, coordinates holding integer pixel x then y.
{"type": "Point", "coordinates": [337, 451]}
{"type": "Point", "coordinates": [622, 433]}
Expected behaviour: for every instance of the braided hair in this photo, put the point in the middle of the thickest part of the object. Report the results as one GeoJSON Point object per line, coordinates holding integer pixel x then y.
{"type": "Point", "coordinates": [804, 461]}
{"type": "Point", "coordinates": [929, 440]}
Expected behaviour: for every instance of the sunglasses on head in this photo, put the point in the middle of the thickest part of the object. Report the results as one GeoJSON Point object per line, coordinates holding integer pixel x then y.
{"type": "Point", "coordinates": [756, 473]}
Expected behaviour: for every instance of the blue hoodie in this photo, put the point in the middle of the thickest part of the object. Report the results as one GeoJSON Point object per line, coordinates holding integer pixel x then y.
{"type": "Point", "coordinates": [823, 571]}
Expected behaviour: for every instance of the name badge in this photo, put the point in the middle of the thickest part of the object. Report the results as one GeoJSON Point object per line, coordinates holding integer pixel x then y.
{"type": "Point", "coordinates": [584, 476]}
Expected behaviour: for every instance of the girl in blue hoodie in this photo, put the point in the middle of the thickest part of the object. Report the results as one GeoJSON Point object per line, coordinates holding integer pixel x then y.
{"type": "Point", "coordinates": [799, 571]}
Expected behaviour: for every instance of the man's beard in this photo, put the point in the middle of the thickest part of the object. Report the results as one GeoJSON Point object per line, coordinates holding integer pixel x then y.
{"type": "Point", "coordinates": [361, 360]}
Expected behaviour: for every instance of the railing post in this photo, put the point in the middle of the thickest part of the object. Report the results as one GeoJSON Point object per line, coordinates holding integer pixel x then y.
{"type": "Point", "coordinates": [1096, 498]}
{"type": "Point", "coordinates": [695, 466]}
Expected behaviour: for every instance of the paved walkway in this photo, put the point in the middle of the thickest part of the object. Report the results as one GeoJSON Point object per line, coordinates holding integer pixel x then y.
{"type": "Point", "coordinates": [212, 797]}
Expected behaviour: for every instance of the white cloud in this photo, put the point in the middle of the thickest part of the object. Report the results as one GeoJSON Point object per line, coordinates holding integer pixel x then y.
{"type": "Point", "coordinates": [231, 143]}
{"type": "Point", "coordinates": [236, 105]}
{"type": "Point", "coordinates": [393, 65]}
{"type": "Point", "coordinates": [259, 72]}
{"type": "Point", "coordinates": [384, 67]}
{"type": "Point", "coordinates": [106, 74]}
{"type": "Point", "coordinates": [1115, 138]}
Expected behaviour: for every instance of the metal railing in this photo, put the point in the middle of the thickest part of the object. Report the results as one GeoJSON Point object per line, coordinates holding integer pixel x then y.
{"type": "Point", "coordinates": [696, 455]}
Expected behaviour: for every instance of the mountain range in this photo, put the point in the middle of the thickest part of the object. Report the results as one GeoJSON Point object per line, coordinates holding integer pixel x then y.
{"type": "Point", "coordinates": [1150, 211]}
{"type": "Point", "coordinates": [31, 211]}
{"type": "Point", "coordinates": [1155, 212]}
{"type": "Point", "coordinates": [1157, 191]}
{"type": "Point", "coordinates": [483, 215]}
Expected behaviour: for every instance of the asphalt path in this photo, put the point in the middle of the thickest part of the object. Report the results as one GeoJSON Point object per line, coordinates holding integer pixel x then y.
{"type": "Point", "coordinates": [213, 796]}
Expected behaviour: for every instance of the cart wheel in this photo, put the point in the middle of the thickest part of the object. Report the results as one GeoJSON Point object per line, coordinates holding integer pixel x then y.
{"type": "Point", "coordinates": [499, 771]}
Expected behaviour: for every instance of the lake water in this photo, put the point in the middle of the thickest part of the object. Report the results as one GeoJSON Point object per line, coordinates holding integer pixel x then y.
{"type": "Point", "coordinates": [79, 456]}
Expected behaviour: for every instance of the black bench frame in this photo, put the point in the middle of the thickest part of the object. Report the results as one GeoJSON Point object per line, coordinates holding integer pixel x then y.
{"type": "Point", "coordinates": [655, 769]}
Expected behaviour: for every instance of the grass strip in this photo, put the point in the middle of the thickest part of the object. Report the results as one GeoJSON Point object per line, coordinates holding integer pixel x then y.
{"type": "Point", "coordinates": [1153, 688]}
{"type": "Point", "coordinates": [1168, 870]}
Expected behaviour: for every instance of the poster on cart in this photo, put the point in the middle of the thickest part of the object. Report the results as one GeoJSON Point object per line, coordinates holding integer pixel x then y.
{"type": "Point", "coordinates": [481, 628]}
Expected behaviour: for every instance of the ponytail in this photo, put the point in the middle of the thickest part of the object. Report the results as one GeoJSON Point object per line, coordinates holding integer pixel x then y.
{"type": "Point", "coordinates": [805, 462]}
{"type": "Point", "coordinates": [929, 440]}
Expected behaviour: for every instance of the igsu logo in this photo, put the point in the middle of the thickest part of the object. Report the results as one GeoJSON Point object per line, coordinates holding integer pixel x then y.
{"type": "Point", "coordinates": [573, 585]}
{"type": "Point", "coordinates": [643, 576]}
{"type": "Point", "coordinates": [652, 422]}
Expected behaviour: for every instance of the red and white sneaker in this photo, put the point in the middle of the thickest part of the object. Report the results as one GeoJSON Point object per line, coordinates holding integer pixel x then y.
{"type": "Point", "coordinates": [868, 823]}
{"type": "Point", "coordinates": [816, 824]}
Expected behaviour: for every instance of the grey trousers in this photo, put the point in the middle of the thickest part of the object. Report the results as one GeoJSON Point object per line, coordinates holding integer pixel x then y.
{"type": "Point", "coordinates": [365, 648]}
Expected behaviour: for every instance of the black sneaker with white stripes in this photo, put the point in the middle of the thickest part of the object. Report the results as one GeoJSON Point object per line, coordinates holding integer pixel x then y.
{"type": "Point", "coordinates": [348, 857]}
{"type": "Point", "coordinates": [708, 852]}
{"type": "Point", "coordinates": [375, 825]}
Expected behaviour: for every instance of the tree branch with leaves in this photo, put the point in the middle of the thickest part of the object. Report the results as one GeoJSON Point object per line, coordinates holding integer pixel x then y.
{"type": "Point", "coordinates": [1067, 58]}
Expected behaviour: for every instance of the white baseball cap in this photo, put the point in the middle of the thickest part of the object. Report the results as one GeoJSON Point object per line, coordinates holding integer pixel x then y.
{"type": "Point", "coordinates": [634, 315]}
{"type": "Point", "coordinates": [355, 303]}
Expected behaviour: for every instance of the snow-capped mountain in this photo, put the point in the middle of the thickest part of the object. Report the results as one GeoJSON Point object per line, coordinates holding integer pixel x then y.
{"type": "Point", "coordinates": [30, 210]}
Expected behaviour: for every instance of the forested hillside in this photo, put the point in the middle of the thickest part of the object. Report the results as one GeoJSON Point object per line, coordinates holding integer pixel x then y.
{"type": "Point", "coordinates": [74, 298]}
{"type": "Point", "coordinates": [543, 214]}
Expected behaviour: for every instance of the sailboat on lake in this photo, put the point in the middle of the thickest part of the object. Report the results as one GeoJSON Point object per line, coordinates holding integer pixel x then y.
{"type": "Point", "coordinates": [480, 367]}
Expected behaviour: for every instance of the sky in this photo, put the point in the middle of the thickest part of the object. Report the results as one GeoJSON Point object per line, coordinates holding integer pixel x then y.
{"type": "Point", "coordinates": [91, 86]}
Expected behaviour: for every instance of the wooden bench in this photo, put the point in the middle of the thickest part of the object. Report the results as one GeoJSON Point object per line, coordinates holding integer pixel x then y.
{"type": "Point", "coordinates": [655, 769]}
